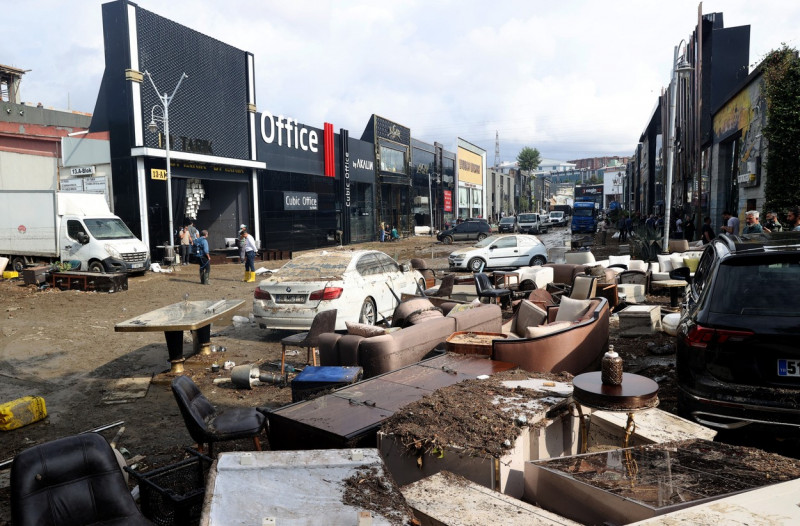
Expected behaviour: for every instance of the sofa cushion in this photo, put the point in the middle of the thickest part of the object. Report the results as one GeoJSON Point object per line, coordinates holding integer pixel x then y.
{"type": "Point", "coordinates": [543, 330]}
{"type": "Point", "coordinates": [637, 264]}
{"type": "Point", "coordinates": [676, 260]}
{"type": "Point", "coordinates": [461, 307]}
{"type": "Point", "coordinates": [581, 257]}
{"type": "Point", "coordinates": [528, 315]}
{"type": "Point", "coordinates": [664, 263]}
{"type": "Point", "coordinates": [363, 329]}
{"type": "Point", "coordinates": [414, 311]}
{"type": "Point", "coordinates": [424, 314]}
{"type": "Point", "coordinates": [570, 309]}
{"type": "Point", "coordinates": [619, 260]}
{"type": "Point", "coordinates": [691, 263]}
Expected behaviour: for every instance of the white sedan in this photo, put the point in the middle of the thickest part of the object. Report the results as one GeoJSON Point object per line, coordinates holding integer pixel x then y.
{"type": "Point", "coordinates": [500, 251]}
{"type": "Point", "coordinates": [363, 285]}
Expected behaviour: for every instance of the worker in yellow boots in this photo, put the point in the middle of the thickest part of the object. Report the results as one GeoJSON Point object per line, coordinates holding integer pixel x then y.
{"type": "Point", "coordinates": [247, 248]}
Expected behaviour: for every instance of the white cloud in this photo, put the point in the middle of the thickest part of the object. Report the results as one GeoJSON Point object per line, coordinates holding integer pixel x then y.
{"type": "Point", "coordinates": [573, 79]}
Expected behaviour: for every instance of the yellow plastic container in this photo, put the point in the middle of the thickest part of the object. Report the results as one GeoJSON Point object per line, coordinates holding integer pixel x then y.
{"type": "Point", "coordinates": [21, 412]}
{"type": "Point", "coordinates": [10, 274]}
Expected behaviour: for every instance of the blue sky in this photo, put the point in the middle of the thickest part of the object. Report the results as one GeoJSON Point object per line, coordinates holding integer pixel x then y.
{"type": "Point", "coordinates": [573, 79]}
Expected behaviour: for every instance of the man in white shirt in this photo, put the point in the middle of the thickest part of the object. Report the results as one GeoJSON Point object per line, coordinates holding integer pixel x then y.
{"type": "Point", "coordinates": [249, 246]}
{"type": "Point", "coordinates": [731, 223]}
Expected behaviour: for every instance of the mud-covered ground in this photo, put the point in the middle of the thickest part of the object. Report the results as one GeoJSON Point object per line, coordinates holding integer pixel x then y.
{"type": "Point", "coordinates": [62, 345]}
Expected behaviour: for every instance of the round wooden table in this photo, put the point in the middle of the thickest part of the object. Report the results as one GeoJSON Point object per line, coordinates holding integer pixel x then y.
{"type": "Point", "coordinates": [673, 285]}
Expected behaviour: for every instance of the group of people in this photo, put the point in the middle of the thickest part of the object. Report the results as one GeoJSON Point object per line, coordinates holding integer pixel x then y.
{"type": "Point", "coordinates": [190, 237]}
{"type": "Point", "coordinates": [388, 232]}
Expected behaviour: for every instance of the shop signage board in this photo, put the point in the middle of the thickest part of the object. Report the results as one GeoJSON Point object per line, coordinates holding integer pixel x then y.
{"type": "Point", "coordinates": [300, 201]}
{"type": "Point", "coordinates": [94, 185]}
{"type": "Point", "coordinates": [82, 170]}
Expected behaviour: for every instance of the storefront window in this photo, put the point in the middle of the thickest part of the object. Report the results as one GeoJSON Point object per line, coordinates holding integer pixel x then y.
{"type": "Point", "coordinates": [392, 160]}
{"type": "Point", "coordinates": [362, 220]}
{"type": "Point", "coordinates": [477, 203]}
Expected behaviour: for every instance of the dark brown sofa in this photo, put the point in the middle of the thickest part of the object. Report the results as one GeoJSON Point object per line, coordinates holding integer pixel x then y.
{"type": "Point", "coordinates": [387, 352]}
{"type": "Point", "coordinates": [576, 348]}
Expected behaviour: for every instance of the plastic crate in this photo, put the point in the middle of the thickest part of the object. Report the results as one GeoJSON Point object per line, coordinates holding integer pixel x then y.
{"type": "Point", "coordinates": [173, 495]}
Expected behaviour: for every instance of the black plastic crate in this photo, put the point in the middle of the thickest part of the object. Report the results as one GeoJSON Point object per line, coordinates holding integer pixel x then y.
{"type": "Point", "coordinates": [173, 495]}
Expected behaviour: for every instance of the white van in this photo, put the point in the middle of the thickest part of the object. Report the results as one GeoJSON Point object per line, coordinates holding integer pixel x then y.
{"type": "Point", "coordinates": [531, 223]}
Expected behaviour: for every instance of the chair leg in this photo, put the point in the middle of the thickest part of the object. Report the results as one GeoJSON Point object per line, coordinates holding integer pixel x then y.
{"type": "Point", "coordinates": [311, 356]}
{"type": "Point", "coordinates": [257, 443]}
{"type": "Point", "coordinates": [283, 358]}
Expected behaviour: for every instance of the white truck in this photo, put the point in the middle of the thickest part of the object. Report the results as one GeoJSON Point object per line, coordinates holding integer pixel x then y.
{"type": "Point", "coordinates": [45, 226]}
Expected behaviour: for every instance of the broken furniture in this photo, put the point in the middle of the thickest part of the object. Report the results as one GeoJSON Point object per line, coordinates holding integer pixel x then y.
{"type": "Point", "coordinates": [383, 351]}
{"type": "Point", "coordinates": [502, 278]}
{"type": "Point", "coordinates": [572, 346]}
{"type": "Point", "coordinates": [71, 480]}
{"type": "Point", "coordinates": [324, 321]}
{"type": "Point", "coordinates": [627, 485]}
{"type": "Point", "coordinates": [633, 292]}
{"type": "Point", "coordinates": [674, 286]}
{"type": "Point", "coordinates": [445, 288]}
{"type": "Point", "coordinates": [485, 289]}
{"type": "Point", "coordinates": [195, 316]}
{"type": "Point", "coordinates": [313, 379]}
{"type": "Point", "coordinates": [564, 273]}
{"type": "Point", "coordinates": [428, 274]}
{"type": "Point", "coordinates": [579, 257]}
{"type": "Point", "coordinates": [352, 415]}
{"type": "Point", "coordinates": [333, 486]}
{"type": "Point", "coordinates": [471, 342]}
{"type": "Point", "coordinates": [94, 281]}
{"type": "Point", "coordinates": [36, 275]}
{"type": "Point", "coordinates": [583, 288]}
{"type": "Point", "coordinates": [206, 425]}
{"type": "Point", "coordinates": [639, 320]}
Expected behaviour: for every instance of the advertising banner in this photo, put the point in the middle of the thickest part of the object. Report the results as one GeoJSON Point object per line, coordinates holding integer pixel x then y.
{"type": "Point", "coordinates": [448, 201]}
{"type": "Point", "coordinates": [470, 167]}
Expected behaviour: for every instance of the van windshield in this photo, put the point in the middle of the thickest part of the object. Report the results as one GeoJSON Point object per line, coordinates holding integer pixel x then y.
{"type": "Point", "coordinates": [108, 228]}
{"type": "Point", "coordinates": [527, 218]}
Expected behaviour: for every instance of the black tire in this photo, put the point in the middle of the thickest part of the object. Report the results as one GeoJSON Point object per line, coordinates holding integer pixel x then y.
{"type": "Point", "coordinates": [537, 261]}
{"type": "Point", "coordinates": [475, 264]}
{"type": "Point", "coordinates": [18, 264]}
{"type": "Point", "coordinates": [369, 314]}
{"type": "Point", "coordinates": [481, 236]}
{"type": "Point", "coordinates": [447, 240]}
{"type": "Point", "coordinates": [97, 266]}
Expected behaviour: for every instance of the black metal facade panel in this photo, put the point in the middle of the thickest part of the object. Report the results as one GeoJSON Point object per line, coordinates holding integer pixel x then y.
{"type": "Point", "coordinates": [362, 161]}
{"type": "Point", "coordinates": [209, 112]}
{"type": "Point", "coordinates": [386, 129]}
{"type": "Point", "coordinates": [731, 54]}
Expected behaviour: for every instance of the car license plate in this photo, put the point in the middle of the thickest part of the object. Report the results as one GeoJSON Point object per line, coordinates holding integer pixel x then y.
{"type": "Point", "coordinates": [788, 367]}
{"type": "Point", "coordinates": [290, 298]}
{"type": "Point", "coordinates": [137, 265]}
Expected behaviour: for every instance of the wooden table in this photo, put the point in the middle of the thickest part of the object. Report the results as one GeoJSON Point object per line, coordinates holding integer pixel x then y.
{"type": "Point", "coordinates": [99, 281]}
{"type": "Point", "coordinates": [673, 285]}
{"type": "Point", "coordinates": [502, 278]}
{"type": "Point", "coordinates": [195, 316]}
{"type": "Point", "coordinates": [472, 342]}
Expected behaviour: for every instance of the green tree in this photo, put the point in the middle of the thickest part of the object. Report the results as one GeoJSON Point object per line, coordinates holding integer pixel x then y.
{"type": "Point", "coordinates": [529, 159]}
{"type": "Point", "coordinates": [782, 91]}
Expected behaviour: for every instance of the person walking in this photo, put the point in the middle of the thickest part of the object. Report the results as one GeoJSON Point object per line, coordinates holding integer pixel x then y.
{"type": "Point", "coordinates": [772, 224]}
{"type": "Point", "coordinates": [752, 225]}
{"type": "Point", "coordinates": [193, 233]}
{"type": "Point", "coordinates": [248, 248]}
{"type": "Point", "coordinates": [603, 231]}
{"type": "Point", "coordinates": [204, 256]}
{"type": "Point", "coordinates": [707, 233]}
{"type": "Point", "coordinates": [689, 228]}
{"type": "Point", "coordinates": [186, 243]}
{"type": "Point", "coordinates": [382, 232]}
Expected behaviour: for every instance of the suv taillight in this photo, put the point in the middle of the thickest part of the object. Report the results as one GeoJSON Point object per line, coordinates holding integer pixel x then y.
{"type": "Point", "coordinates": [700, 336]}
{"type": "Point", "coordinates": [328, 293]}
{"type": "Point", "coordinates": [261, 294]}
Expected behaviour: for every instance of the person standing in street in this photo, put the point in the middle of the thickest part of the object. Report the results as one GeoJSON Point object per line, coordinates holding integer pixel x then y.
{"type": "Point", "coordinates": [186, 242]}
{"type": "Point", "coordinates": [205, 257]}
{"type": "Point", "coordinates": [688, 228]}
{"type": "Point", "coordinates": [752, 225]}
{"type": "Point", "coordinates": [731, 223]}
{"type": "Point", "coordinates": [248, 245]}
{"type": "Point", "coordinates": [707, 233]}
{"type": "Point", "coordinates": [193, 233]}
{"type": "Point", "coordinates": [603, 231]}
{"type": "Point", "coordinates": [793, 217]}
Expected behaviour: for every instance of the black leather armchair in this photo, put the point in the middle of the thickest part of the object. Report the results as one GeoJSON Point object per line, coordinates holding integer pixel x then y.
{"type": "Point", "coordinates": [484, 289]}
{"type": "Point", "coordinates": [206, 426]}
{"type": "Point", "coordinates": [71, 481]}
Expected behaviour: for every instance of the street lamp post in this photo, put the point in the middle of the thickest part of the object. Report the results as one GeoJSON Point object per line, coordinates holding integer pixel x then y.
{"type": "Point", "coordinates": [153, 127]}
{"type": "Point", "coordinates": [681, 65]}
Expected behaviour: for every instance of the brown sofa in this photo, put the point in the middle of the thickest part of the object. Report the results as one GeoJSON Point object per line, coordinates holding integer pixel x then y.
{"type": "Point", "coordinates": [387, 352]}
{"type": "Point", "coordinates": [575, 349]}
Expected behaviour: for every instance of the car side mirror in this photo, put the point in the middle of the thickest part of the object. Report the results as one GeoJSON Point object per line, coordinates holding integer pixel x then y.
{"type": "Point", "coordinates": [83, 238]}
{"type": "Point", "coordinates": [405, 267]}
{"type": "Point", "coordinates": [491, 247]}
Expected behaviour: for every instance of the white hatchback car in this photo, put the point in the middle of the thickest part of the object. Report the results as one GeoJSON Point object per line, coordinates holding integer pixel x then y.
{"type": "Point", "coordinates": [360, 284]}
{"type": "Point", "coordinates": [500, 251]}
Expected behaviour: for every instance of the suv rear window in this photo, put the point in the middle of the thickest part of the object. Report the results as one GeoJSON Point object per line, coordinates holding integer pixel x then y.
{"type": "Point", "coordinates": [758, 287]}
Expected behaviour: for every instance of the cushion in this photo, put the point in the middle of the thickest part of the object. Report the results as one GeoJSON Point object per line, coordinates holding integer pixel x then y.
{"type": "Point", "coordinates": [676, 260]}
{"type": "Point", "coordinates": [424, 314]}
{"type": "Point", "coordinates": [402, 311]}
{"type": "Point", "coordinates": [363, 329]}
{"type": "Point", "coordinates": [543, 330]}
{"type": "Point", "coordinates": [691, 263]}
{"type": "Point", "coordinates": [570, 309]}
{"type": "Point", "coordinates": [619, 260]}
{"type": "Point", "coordinates": [637, 264]}
{"type": "Point", "coordinates": [581, 257]}
{"type": "Point", "coordinates": [461, 307]}
{"type": "Point", "coordinates": [528, 315]}
{"type": "Point", "coordinates": [664, 263]}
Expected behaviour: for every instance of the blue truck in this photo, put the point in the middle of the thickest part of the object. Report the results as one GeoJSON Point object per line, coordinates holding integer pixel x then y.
{"type": "Point", "coordinates": [584, 217]}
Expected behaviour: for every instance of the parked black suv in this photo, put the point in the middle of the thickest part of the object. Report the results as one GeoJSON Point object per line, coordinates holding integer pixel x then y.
{"type": "Point", "coordinates": [738, 344]}
{"type": "Point", "coordinates": [508, 225]}
{"type": "Point", "coordinates": [466, 231]}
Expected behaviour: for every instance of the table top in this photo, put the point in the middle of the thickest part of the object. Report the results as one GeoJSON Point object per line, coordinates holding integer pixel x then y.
{"type": "Point", "coordinates": [635, 393]}
{"type": "Point", "coordinates": [182, 316]}
{"type": "Point", "coordinates": [669, 283]}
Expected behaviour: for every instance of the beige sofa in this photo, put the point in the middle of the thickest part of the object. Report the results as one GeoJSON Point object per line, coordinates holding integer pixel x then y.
{"type": "Point", "coordinates": [387, 352]}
